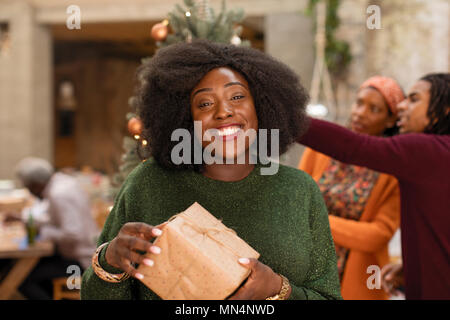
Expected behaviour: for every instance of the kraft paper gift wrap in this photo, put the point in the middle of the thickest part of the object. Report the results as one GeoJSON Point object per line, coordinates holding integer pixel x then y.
{"type": "Point", "coordinates": [198, 259]}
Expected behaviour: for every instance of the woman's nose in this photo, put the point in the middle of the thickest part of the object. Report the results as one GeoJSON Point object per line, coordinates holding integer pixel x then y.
{"type": "Point", "coordinates": [223, 111]}
{"type": "Point", "coordinates": [402, 105]}
{"type": "Point", "coordinates": [360, 111]}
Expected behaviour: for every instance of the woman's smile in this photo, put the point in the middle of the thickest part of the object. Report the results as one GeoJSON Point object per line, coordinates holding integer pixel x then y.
{"type": "Point", "coordinates": [403, 119]}
{"type": "Point", "coordinates": [229, 132]}
{"type": "Point", "coordinates": [357, 126]}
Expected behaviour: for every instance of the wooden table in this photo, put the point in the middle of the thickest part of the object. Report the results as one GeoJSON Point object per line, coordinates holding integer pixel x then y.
{"type": "Point", "coordinates": [26, 259]}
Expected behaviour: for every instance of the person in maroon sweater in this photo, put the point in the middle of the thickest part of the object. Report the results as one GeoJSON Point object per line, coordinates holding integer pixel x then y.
{"type": "Point", "coordinates": [420, 159]}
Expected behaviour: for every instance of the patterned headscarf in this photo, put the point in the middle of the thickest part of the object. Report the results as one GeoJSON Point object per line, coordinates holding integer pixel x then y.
{"type": "Point", "coordinates": [389, 89]}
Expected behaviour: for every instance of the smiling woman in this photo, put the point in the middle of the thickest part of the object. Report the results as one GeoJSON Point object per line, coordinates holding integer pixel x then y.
{"type": "Point", "coordinates": [228, 90]}
{"type": "Point", "coordinates": [173, 77]}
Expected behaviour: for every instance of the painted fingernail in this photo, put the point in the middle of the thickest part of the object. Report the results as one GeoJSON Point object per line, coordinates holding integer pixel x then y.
{"type": "Point", "coordinates": [244, 260]}
{"type": "Point", "coordinates": [139, 276]}
{"type": "Point", "coordinates": [156, 232]}
{"type": "Point", "coordinates": [155, 249]}
{"type": "Point", "coordinates": [148, 262]}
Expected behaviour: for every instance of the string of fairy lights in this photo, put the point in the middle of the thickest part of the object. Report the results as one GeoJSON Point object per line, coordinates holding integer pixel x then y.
{"type": "Point", "coordinates": [135, 128]}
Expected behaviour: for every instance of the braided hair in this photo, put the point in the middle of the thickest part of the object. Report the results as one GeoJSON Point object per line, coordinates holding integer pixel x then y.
{"type": "Point", "coordinates": [439, 106]}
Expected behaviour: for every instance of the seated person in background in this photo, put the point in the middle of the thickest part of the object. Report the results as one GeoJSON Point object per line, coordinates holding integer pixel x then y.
{"type": "Point", "coordinates": [363, 205]}
{"type": "Point", "coordinates": [71, 225]}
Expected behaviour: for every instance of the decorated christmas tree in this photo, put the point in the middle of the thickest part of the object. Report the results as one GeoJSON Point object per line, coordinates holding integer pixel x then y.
{"type": "Point", "coordinates": [196, 20]}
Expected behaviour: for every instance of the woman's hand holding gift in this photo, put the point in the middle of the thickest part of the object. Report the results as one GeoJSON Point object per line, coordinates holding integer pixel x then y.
{"type": "Point", "coordinates": [123, 251]}
{"type": "Point", "coordinates": [261, 283]}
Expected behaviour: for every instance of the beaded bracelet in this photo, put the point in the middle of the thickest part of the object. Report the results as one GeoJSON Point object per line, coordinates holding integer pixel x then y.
{"type": "Point", "coordinates": [101, 273]}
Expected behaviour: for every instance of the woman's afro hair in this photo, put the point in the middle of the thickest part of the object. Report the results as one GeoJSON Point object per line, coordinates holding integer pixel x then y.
{"type": "Point", "coordinates": [167, 79]}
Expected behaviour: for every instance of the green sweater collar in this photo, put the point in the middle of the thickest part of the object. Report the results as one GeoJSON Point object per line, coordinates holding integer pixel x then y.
{"type": "Point", "coordinates": [196, 179]}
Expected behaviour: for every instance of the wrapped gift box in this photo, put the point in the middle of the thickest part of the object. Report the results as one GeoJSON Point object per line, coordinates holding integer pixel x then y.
{"type": "Point", "coordinates": [198, 259]}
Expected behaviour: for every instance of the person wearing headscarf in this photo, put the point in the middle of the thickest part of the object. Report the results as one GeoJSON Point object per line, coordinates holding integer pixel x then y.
{"type": "Point", "coordinates": [363, 205]}
{"type": "Point", "coordinates": [419, 158]}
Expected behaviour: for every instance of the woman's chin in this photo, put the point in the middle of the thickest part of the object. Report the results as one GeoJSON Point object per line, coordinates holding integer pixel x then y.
{"type": "Point", "coordinates": [402, 129]}
{"type": "Point", "coordinates": [232, 157]}
{"type": "Point", "coordinates": [358, 129]}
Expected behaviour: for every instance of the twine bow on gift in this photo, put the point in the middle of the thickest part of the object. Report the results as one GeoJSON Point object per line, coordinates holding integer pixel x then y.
{"type": "Point", "coordinates": [206, 232]}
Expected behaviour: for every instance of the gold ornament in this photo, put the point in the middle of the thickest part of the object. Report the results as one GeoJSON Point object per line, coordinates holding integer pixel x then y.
{"type": "Point", "coordinates": [160, 30]}
{"type": "Point", "coordinates": [135, 126]}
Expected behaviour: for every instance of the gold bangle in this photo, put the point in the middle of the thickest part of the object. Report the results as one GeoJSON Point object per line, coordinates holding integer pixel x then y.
{"type": "Point", "coordinates": [101, 273]}
{"type": "Point", "coordinates": [284, 290]}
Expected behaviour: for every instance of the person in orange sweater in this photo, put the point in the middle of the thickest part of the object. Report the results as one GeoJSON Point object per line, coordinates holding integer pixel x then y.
{"type": "Point", "coordinates": [363, 205]}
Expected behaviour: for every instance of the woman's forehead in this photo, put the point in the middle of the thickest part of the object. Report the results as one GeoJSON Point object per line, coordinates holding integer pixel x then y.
{"type": "Point", "coordinates": [221, 75]}
{"type": "Point", "coordinates": [420, 86]}
{"type": "Point", "coordinates": [370, 92]}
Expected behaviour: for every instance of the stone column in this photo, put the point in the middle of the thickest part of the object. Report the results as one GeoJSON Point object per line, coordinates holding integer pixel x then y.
{"type": "Point", "coordinates": [26, 106]}
{"type": "Point", "coordinates": [353, 29]}
{"type": "Point", "coordinates": [413, 41]}
{"type": "Point", "coordinates": [289, 37]}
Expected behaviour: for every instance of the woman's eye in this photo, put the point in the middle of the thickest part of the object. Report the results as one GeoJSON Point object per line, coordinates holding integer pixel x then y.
{"type": "Point", "coordinates": [204, 104]}
{"type": "Point", "coordinates": [375, 109]}
{"type": "Point", "coordinates": [237, 97]}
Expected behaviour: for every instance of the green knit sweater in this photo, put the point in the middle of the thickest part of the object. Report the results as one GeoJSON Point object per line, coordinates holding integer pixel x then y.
{"type": "Point", "coordinates": [282, 216]}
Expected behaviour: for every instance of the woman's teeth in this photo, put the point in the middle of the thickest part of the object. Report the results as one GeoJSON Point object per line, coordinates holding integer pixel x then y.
{"type": "Point", "coordinates": [228, 130]}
